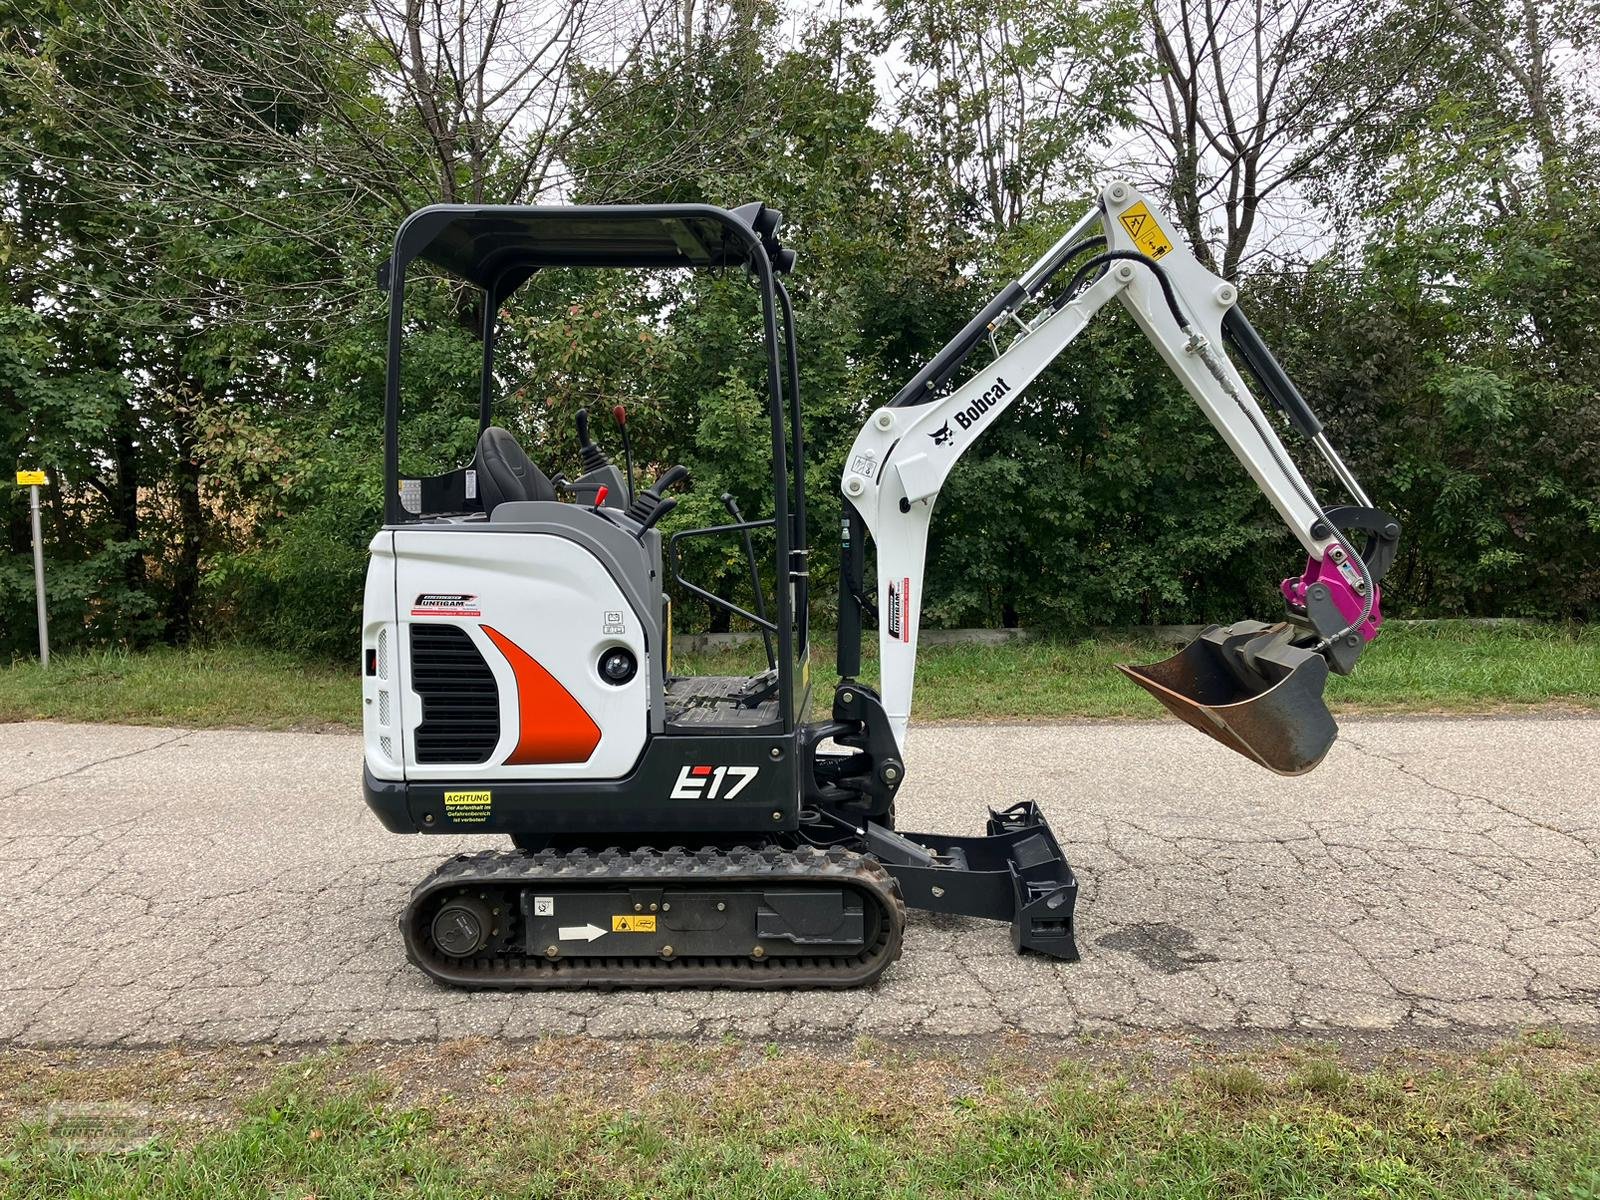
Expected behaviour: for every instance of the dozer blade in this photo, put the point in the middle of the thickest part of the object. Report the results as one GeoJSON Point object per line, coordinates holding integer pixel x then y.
{"type": "Point", "coordinates": [1251, 689]}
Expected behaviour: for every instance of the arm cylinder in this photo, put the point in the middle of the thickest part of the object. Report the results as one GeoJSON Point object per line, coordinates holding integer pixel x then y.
{"type": "Point", "coordinates": [1241, 335]}
{"type": "Point", "coordinates": [933, 376]}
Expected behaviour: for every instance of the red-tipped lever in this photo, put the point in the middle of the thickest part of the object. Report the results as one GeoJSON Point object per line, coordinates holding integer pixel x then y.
{"type": "Point", "coordinates": [621, 414]}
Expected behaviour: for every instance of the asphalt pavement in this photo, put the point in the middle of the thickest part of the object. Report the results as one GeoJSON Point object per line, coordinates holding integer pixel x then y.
{"type": "Point", "coordinates": [169, 886]}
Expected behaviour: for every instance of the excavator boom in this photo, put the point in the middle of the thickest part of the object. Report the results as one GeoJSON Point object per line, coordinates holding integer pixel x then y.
{"type": "Point", "coordinates": [1255, 688]}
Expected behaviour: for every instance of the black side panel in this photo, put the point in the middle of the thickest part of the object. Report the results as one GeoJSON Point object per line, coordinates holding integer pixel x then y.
{"type": "Point", "coordinates": [460, 703]}
{"type": "Point", "coordinates": [715, 785]}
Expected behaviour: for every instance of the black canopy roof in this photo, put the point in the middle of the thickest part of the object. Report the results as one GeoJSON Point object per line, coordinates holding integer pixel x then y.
{"type": "Point", "coordinates": [499, 246]}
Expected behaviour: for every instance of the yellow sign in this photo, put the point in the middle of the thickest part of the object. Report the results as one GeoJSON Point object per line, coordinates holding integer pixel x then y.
{"type": "Point", "coordinates": [467, 808]}
{"type": "Point", "coordinates": [632, 924]}
{"type": "Point", "coordinates": [32, 479]}
{"type": "Point", "coordinates": [1145, 231]}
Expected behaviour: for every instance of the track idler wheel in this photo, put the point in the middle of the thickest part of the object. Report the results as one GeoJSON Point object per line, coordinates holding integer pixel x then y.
{"type": "Point", "coordinates": [462, 926]}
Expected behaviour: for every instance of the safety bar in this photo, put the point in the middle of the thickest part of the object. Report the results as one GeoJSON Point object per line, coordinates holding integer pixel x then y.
{"type": "Point", "coordinates": [695, 589]}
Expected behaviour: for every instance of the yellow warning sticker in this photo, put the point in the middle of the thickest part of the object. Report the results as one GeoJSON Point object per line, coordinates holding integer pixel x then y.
{"type": "Point", "coordinates": [468, 808]}
{"type": "Point", "coordinates": [632, 924]}
{"type": "Point", "coordinates": [31, 479]}
{"type": "Point", "coordinates": [1145, 231]}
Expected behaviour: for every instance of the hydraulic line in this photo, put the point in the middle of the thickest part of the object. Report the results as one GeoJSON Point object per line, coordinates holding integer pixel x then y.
{"type": "Point", "coordinates": [1110, 256]}
{"type": "Point", "coordinates": [1070, 253]}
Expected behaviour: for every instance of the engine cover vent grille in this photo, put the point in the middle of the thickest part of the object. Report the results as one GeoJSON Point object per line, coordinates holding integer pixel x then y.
{"type": "Point", "coordinates": [460, 703]}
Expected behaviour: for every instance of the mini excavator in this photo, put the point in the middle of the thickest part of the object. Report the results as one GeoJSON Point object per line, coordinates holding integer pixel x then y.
{"type": "Point", "coordinates": [674, 830]}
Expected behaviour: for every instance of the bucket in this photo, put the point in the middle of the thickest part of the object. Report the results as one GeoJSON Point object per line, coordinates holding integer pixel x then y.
{"type": "Point", "coordinates": [1248, 686]}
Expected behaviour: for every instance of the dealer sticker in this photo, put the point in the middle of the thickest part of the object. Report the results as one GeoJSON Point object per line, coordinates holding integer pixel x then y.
{"type": "Point", "coordinates": [446, 604]}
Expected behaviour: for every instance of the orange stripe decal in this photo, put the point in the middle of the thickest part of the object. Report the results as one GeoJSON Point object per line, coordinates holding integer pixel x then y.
{"type": "Point", "coordinates": [553, 727]}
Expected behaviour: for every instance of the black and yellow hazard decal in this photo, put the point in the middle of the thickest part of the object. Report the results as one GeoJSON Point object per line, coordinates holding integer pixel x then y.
{"type": "Point", "coordinates": [1145, 231]}
{"type": "Point", "coordinates": [468, 808]}
{"type": "Point", "coordinates": [631, 924]}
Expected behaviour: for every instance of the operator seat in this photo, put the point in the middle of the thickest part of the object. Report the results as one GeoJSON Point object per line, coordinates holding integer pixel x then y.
{"type": "Point", "coordinates": [506, 473]}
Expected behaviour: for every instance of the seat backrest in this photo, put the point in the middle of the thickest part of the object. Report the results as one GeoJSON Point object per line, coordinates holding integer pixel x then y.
{"type": "Point", "coordinates": [506, 473]}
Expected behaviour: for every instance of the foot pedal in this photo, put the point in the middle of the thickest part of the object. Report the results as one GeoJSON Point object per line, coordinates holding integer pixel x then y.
{"type": "Point", "coordinates": [1250, 688]}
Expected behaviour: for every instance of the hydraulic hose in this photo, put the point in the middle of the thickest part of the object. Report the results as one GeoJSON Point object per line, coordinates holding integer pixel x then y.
{"type": "Point", "coordinates": [1071, 252]}
{"type": "Point", "coordinates": [1110, 256]}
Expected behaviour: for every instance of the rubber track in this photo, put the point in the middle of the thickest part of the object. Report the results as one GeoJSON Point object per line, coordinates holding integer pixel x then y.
{"type": "Point", "coordinates": [676, 867]}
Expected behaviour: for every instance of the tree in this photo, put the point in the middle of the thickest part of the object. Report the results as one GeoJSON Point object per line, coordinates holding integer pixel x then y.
{"type": "Point", "coordinates": [1252, 98]}
{"type": "Point", "coordinates": [1011, 101]}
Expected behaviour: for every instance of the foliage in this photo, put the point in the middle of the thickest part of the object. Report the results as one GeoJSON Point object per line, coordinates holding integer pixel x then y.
{"type": "Point", "coordinates": [1431, 667]}
{"type": "Point", "coordinates": [196, 197]}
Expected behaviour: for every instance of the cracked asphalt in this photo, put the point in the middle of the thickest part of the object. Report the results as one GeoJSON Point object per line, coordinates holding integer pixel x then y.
{"type": "Point", "coordinates": [167, 886]}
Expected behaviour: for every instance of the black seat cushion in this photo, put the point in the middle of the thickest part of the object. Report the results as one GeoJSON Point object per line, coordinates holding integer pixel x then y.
{"type": "Point", "coordinates": [506, 473]}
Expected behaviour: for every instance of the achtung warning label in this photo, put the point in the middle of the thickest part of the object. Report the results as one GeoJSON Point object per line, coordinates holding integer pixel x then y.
{"type": "Point", "coordinates": [630, 923]}
{"type": "Point", "coordinates": [1144, 231]}
{"type": "Point", "coordinates": [468, 808]}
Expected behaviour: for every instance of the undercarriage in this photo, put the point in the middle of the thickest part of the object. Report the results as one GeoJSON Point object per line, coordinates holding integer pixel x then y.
{"type": "Point", "coordinates": [767, 916]}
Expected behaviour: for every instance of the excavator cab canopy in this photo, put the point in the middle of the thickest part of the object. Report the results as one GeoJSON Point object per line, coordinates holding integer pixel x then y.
{"type": "Point", "coordinates": [495, 249]}
{"type": "Point", "coordinates": [498, 248]}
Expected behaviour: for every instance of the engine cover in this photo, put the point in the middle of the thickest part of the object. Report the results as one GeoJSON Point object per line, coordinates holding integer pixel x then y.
{"type": "Point", "coordinates": [499, 656]}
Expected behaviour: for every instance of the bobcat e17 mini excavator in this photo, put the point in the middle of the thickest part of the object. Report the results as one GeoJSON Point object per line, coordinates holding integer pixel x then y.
{"type": "Point", "coordinates": [695, 830]}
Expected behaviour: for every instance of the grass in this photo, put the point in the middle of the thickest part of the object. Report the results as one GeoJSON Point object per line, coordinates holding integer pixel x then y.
{"type": "Point", "coordinates": [1439, 667]}
{"type": "Point", "coordinates": [196, 688]}
{"type": "Point", "coordinates": [671, 1120]}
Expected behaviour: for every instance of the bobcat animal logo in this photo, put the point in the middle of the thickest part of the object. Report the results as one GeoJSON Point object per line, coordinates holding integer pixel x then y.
{"type": "Point", "coordinates": [942, 435]}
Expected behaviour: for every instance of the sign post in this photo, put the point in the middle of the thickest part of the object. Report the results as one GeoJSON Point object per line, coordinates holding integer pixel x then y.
{"type": "Point", "coordinates": [33, 481]}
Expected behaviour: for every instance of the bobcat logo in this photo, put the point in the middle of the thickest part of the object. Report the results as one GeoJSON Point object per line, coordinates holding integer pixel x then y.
{"type": "Point", "coordinates": [942, 435]}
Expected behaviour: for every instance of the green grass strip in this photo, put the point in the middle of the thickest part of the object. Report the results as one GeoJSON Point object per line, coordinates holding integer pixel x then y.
{"type": "Point", "coordinates": [714, 1122]}
{"type": "Point", "coordinates": [1439, 667]}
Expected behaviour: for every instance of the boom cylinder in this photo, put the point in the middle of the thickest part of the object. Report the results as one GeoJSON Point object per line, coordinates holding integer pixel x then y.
{"type": "Point", "coordinates": [852, 567]}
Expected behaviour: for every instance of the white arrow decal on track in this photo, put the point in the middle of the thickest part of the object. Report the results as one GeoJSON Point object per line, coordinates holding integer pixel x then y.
{"type": "Point", "coordinates": [580, 933]}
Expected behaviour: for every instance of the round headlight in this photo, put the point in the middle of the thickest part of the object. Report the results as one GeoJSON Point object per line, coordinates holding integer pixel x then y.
{"type": "Point", "coordinates": [618, 665]}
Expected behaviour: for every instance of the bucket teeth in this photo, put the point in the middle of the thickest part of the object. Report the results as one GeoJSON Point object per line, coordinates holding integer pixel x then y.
{"type": "Point", "coordinates": [1249, 687]}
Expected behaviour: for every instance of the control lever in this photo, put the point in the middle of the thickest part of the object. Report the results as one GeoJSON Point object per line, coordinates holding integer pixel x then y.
{"type": "Point", "coordinates": [621, 416]}
{"type": "Point", "coordinates": [657, 513]}
{"type": "Point", "coordinates": [646, 501]}
{"type": "Point", "coordinates": [592, 456]}
{"type": "Point", "coordinates": [732, 505]}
